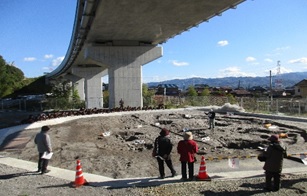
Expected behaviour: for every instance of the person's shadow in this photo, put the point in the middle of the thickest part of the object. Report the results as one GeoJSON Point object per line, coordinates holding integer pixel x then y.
{"type": "Point", "coordinates": [9, 176]}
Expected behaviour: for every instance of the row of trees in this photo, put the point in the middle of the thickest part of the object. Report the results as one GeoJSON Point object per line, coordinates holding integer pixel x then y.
{"type": "Point", "coordinates": [11, 78]}
{"type": "Point", "coordinates": [13, 83]}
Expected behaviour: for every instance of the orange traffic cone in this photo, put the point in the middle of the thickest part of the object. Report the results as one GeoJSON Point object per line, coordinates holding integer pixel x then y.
{"type": "Point", "coordinates": [79, 180]}
{"type": "Point", "coordinates": [202, 175]}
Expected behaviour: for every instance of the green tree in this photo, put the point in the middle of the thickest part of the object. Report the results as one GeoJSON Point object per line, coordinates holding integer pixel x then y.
{"type": "Point", "coordinates": [11, 78]}
{"type": "Point", "coordinates": [61, 90]}
{"type": "Point", "coordinates": [33, 86]}
{"type": "Point", "coordinates": [106, 99]}
{"type": "Point", "coordinates": [75, 96]}
{"type": "Point", "coordinates": [60, 96]}
{"type": "Point", "coordinates": [231, 99]}
{"type": "Point", "coordinates": [191, 91]}
{"type": "Point", "coordinates": [147, 95]}
{"type": "Point", "coordinates": [205, 92]}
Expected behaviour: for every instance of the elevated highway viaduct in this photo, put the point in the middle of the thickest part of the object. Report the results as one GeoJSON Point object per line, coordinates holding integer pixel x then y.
{"type": "Point", "coordinates": [117, 37]}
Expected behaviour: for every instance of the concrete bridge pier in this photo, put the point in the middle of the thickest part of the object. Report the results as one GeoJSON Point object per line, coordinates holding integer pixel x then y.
{"type": "Point", "coordinates": [77, 84]}
{"type": "Point", "coordinates": [92, 85]}
{"type": "Point", "coordinates": [124, 70]}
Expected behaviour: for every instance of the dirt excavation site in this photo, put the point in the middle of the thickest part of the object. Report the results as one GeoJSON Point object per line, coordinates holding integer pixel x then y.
{"type": "Point", "coordinates": [120, 145]}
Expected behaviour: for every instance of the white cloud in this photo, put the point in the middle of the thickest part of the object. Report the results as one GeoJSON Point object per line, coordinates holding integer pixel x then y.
{"type": "Point", "coordinates": [179, 64]}
{"type": "Point", "coordinates": [223, 43]}
{"type": "Point", "coordinates": [268, 60]}
{"type": "Point", "coordinates": [29, 59]}
{"type": "Point", "coordinates": [302, 60]}
{"type": "Point", "coordinates": [57, 61]}
{"type": "Point", "coordinates": [280, 49]}
{"type": "Point", "coordinates": [250, 59]}
{"type": "Point", "coordinates": [234, 72]}
{"type": "Point", "coordinates": [155, 78]}
{"type": "Point", "coordinates": [285, 70]}
{"type": "Point", "coordinates": [275, 70]}
{"type": "Point", "coordinates": [48, 56]}
{"type": "Point", "coordinates": [47, 69]}
{"type": "Point", "coordinates": [195, 76]}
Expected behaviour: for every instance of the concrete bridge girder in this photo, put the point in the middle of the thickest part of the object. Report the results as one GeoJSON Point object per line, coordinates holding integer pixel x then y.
{"type": "Point", "coordinates": [77, 84]}
{"type": "Point", "coordinates": [125, 70]}
{"type": "Point", "coordinates": [130, 24]}
{"type": "Point", "coordinates": [92, 85]}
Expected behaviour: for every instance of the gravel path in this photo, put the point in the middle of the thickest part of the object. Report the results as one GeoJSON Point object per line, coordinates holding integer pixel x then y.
{"type": "Point", "coordinates": [15, 181]}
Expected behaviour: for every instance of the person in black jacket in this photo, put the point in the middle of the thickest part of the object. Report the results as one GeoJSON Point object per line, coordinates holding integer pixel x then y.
{"type": "Point", "coordinates": [121, 104]}
{"type": "Point", "coordinates": [274, 155]}
{"type": "Point", "coordinates": [211, 116]}
{"type": "Point", "coordinates": [162, 150]}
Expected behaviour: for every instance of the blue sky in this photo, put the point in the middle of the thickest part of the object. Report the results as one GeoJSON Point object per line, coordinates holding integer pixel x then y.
{"type": "Point", "coordinates": [246, 41]}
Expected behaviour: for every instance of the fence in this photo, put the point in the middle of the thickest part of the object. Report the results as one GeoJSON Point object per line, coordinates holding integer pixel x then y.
{"type": "Point", "coordinates": [276, 105]}
{"type": "Point", "coordinates": [40, 104]}
{"type": "Point", "coordinates": [288, 106]}
{"type": "Point", "coordinates": [22, 105]}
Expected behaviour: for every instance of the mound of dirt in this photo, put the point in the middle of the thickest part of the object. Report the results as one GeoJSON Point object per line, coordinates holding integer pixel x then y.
{"type": "Point", "coordinates": [121, 146]}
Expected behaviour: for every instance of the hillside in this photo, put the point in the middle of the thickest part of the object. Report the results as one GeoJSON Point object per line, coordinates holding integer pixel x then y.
{"type": "Point", "coordinates": [288, 80]}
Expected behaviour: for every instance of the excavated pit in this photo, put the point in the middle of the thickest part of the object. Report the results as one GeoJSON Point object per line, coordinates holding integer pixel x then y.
{"type": "Point", "coordinates": [121, 146]}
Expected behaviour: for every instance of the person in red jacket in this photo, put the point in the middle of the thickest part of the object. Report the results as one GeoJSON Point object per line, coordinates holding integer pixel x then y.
{"type": "Point", "coordinates": [187, 149]}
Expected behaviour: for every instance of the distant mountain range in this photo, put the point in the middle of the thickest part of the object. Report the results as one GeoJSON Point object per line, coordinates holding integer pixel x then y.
{"type": "Point", "coordinates": [284, 80]}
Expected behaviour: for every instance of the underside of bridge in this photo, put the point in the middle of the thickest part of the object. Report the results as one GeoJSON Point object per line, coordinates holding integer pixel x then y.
{"type": "Point", "coordinates": [116, 38]}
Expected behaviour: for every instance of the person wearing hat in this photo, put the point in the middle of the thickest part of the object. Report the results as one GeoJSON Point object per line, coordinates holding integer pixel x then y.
{"type": "Point", "coordinates": [162, 150]}
{"type": "Point", "coordinates": [274, 155]}
{"type": "Point", "coordinates": [42, 140]}
{"type": "Point", "coordinates": [187, 149]}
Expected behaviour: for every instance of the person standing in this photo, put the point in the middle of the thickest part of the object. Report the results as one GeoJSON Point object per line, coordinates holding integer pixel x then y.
{"type": "Point", "coordinates": [273, 155]}
{"type": "Point", "coordinates": [162, 151]}
{"type": "Point", "coordinates": [42, 140]}
{"type": "Point", "coordinates": [211, 116]}
{"type": "Point", "coordinates": [121, 104]}
{"type": "Point", "coordinates": [187, 149]}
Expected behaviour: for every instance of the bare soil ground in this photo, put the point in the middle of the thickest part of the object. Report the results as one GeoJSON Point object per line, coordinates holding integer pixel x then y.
{"type": "Point", "coordinates": [121, 146]}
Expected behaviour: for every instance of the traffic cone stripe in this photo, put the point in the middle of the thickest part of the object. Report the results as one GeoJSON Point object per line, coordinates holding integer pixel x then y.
{"type": "Point", "coordinates": [79, 179]}
{"type": "Point", "coordinates": [202, 175]}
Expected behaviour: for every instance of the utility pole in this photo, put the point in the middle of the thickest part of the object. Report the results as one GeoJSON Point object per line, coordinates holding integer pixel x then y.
{"type": "Point", "coordinates": [271, 91]}
{"type": "Point", "coordinates": [278, 80]}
